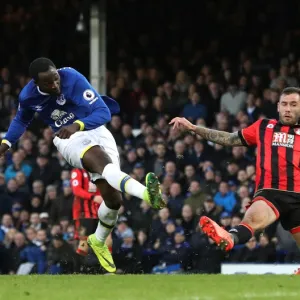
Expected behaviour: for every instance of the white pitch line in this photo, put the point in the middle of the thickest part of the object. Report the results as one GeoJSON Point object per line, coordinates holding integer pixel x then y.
{"type": "Point", "coordinates": [269, 295]}
{"type": "Point", "coordinates": [244, 296]}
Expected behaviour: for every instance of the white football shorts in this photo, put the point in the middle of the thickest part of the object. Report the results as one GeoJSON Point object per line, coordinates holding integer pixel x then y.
{"type": "Point", "coordinates": [74, 148]}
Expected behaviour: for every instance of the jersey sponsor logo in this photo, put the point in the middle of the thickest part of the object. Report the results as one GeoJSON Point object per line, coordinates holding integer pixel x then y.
{"type": "Point", "coordinates": [61, 99]}
{"type": "Point", "coordinates": [61, 117]}
{"type": "Point", "coordinates": [283, 139]}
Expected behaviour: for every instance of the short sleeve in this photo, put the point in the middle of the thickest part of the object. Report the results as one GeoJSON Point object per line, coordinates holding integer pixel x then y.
{"type": "Point", "coordinates": [248, 135]}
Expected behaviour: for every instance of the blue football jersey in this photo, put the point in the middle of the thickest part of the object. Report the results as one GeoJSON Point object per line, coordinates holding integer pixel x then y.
{"type": "Point", "coordinates": [78, 101]}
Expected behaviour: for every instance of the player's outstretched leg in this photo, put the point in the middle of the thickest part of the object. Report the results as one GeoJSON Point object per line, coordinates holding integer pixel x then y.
{"type": "Point", "coordinates": [258, 216]}
{"type": "Point", "coordinates": [96, 160]}
{"type": "Point", "coordinates": [108, 215]}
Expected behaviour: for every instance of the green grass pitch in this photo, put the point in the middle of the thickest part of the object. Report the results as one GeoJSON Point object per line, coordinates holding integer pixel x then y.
{"type": "Point", "coordinates": [149, 287]}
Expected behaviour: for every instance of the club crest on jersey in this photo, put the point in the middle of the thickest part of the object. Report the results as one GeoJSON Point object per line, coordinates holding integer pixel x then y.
{"type": "Point", "coordinates": [283, 139]}
{"type": "Point", "coordinates": [86, 142]}
{"type": "Point", "coordinates": [88, 95]}
{"type": "Point", "coordinates": [61, 99]}
{"type": "Point", "coordinates": [297, 131]}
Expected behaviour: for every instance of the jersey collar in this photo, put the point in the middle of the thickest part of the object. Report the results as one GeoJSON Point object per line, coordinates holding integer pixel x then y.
{"type": "Point", "coordinates": [42, 93]}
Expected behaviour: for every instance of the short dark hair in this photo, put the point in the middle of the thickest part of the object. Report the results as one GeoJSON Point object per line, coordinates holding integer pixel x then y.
{"type": "Point", "coordinates": [290, 90]}
{"type": "Point", "coordinates": [41, 64]}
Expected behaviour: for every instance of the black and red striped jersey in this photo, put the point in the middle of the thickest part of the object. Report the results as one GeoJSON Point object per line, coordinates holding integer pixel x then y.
{"type": "Point", "coordinates": [278, 154]}
{"type": "Point", "coordinates": [83, 189]}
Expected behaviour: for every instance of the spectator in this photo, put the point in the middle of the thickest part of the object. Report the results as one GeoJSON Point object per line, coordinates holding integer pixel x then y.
{"type": "Point", "coordinates": [16, 166]}
{"type": "Point", "coordinates": [189, 176]}
{"type": "Point", "coordinates": [35, 255]}
{"type": "Point", "coordinates": [225, 220]}
{"type": "Point", "coordinates": [188, 222]}
{"type": "Point", "coordinates": [18, 246]}
{"type": "Point", "coordinates": [205, 255]}
{"type": "Point", "coordinates": [176, 255]}
{"type": "Point", "coordinates": [175, 200]}
{"type": "Point", "coordinates": [195, 109]}
{"type": "Point", "coordinates": [210, 209]}
{"type": "Point", "coordinates": [225, 198]}
{"type": "Point", "coordinates": [61, 258]}
{"type": "Point", "coordinates": [127, 253]}
{"type": "Point", "coordinates": [234, 100]}
{"type": "Point", "coordinates": [44, 171]}
{"type": "Point", "coordinates": [62, 206]}
{"type": "Point", "coordinates": [16, 195]}
{"type": "Point", "coordinates": [6, 224]}
{"type": "Point", "coordinates": [196, 198]}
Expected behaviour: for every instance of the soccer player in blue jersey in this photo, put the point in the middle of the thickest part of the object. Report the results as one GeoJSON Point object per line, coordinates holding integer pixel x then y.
{"type": "Point", "coordinates": [67, 102]}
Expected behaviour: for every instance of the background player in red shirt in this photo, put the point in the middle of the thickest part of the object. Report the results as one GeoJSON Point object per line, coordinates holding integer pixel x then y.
{"type": "Point", "coordinates": [87, 200]}
{"type": "Point", "coordinates": [277, 193]}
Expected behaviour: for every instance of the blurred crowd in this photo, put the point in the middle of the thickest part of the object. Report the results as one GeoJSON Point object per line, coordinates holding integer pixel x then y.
{"type": "Point", "coordinates": [220, 65]}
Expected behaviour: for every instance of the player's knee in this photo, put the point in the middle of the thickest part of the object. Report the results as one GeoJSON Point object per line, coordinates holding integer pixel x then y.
{"type": "Point", "coordinates": [259, 215]}
{"type": "Point", "coordinates": [113, 200]}
{"type": "Point", "coordinates": [111, 197]}
{"type": "Point", "coordinates": [255, 221]}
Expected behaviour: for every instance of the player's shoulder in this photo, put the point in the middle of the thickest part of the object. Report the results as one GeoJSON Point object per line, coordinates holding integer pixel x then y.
{"type": "Point", "coordinates": [269, 123]}
{"type": "Point", "coordinates": [69, 73]}
{"type": "Point", "coordinates": [28, 91]}
{"type": "Point", "coordinates": [265, 121]}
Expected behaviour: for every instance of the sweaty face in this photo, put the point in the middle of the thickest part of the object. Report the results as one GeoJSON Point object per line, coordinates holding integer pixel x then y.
{"type": "Point", "coordinates": [289, 109]}
{"type": "Point", "coordinates": [49, 82]}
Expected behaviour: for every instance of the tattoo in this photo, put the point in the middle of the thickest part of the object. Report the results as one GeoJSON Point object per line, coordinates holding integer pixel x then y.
{"type": "Point", "coordinates": [219, 137]}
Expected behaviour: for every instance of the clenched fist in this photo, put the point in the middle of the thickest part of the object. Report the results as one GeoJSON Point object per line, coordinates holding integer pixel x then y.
{"type": "Point", "coordinates": [66, 131]}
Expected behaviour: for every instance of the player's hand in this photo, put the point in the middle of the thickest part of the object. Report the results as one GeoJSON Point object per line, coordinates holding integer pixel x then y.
{"type": "Point", "coordinates": [98, 199]}
{"type": "Point", "coordinates": [3, 149]}
{"type": "Point", "coordinates": [182, 124]}
{"type": "Point", "coordinates": [66, 131]}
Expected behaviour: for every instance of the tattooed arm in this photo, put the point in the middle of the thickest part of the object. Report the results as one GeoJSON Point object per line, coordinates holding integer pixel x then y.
{"type": "Point", "coordinates": [219, 137]}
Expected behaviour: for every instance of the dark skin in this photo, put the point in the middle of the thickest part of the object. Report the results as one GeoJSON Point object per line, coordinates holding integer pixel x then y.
{"type": "Point", "coordinates": [95, 159]}
{"type": "Point", "coordinates": [49, 83]}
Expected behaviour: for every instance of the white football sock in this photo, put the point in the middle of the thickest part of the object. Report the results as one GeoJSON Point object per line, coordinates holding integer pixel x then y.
{"type": "Point", "coordinates": [107, 220]}
{"type": "Point", "coordinates": [123, 182]}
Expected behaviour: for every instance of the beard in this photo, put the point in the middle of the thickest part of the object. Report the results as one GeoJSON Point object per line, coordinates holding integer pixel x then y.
{"type": "Point", "coordinates": [288, 121]}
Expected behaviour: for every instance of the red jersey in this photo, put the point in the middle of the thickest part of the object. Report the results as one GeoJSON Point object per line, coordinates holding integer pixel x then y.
{"type": "Point", "coordinates": [83, 189]}
{"type": "Point", "coordinates": [278, 154]}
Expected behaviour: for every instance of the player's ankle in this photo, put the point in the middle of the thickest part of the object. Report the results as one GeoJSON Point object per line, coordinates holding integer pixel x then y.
{"type": "Point", "coordinates": [146, 196]}
{"type": "Point", "coordinates": [232, 237]}
{"type": "Point", "coordinates": [242, 233]}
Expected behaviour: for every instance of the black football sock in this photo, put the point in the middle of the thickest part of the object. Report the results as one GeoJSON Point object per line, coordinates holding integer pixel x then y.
{"type": "Point", "coordinates": [241, 234]}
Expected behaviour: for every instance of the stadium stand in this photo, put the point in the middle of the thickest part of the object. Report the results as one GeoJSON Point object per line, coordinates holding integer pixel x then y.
{"type": "Point", "coordinates": [219, 63]}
